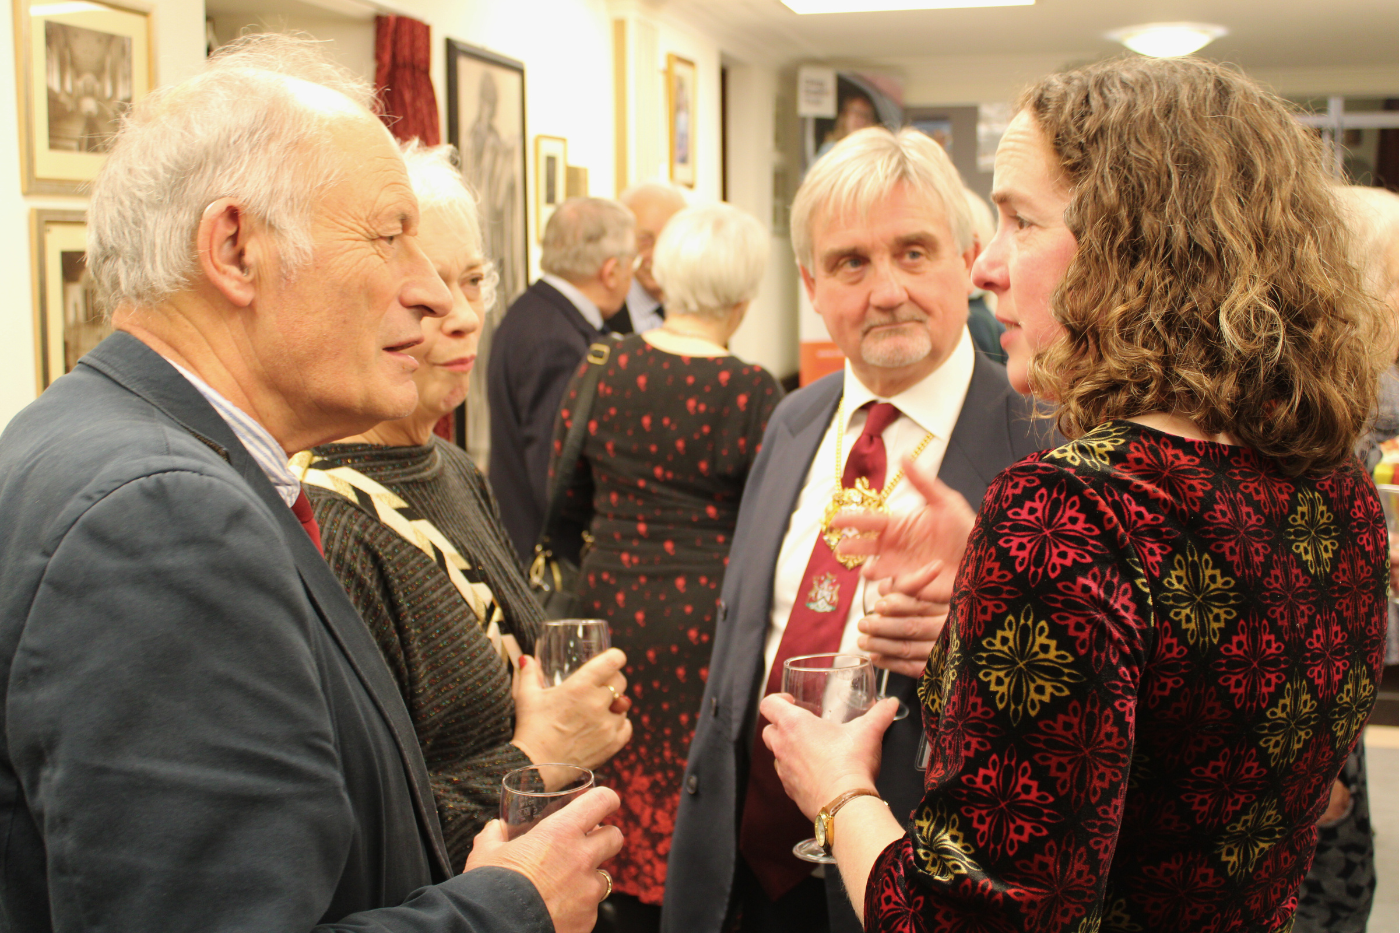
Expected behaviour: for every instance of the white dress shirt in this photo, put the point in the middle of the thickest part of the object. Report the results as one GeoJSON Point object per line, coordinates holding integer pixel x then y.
{"type": "Point", "coordinates": [644, 310]}
{"type": "Point", "coordinates": [579, 300]}
{"type": "Point", "coordinates": [932, 405]}
{"type": "Point", "coordinates": [263, 447]}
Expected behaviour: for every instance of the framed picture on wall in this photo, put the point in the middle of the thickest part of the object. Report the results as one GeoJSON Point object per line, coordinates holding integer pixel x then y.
{"type": "Point", "coordinates": [680, 109]}
{"type": "Point", "coordinates": [486, 122]}
{"type": "Point", "coordinates": [80, 67]}
{"type": "Point", "coordinates": [67, 323]}
{"type": "Point", "coordinates": [551, 178]}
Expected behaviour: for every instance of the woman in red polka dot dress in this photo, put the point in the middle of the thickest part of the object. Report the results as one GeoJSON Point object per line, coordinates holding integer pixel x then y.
{"type": "Point", "coordinates": [673, 430]}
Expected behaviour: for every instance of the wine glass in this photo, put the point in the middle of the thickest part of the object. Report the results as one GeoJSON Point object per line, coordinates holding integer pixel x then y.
{"type": "Point", "coordinates": [837, 688]}
{"type": "Point", "coordinates": [565, 645]}
{"type": "Point", "coordinates": [528, 795]}
{"type": "Point", "coordinates": [870, 595]}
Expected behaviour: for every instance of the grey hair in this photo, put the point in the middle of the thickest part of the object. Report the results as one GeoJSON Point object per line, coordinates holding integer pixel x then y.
{"type": "Point", "coordinates": [709, 258]}
{"type": "Point", "coordinates": [863, 169]}
{"type": "Point", "coordinates": [1372, 217]}
{"type": "Point", "coordinates": [652, 191]}
{"type": "Point", "coordinates": [245, 128]}
{"type": "Point", "coordinates": [439, 186]}
{"type": "Point", "coordinates": [584, 233]}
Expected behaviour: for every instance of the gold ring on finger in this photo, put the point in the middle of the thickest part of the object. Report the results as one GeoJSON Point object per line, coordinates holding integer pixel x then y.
{"type": "Point", "coordinates": [616, 696]}
{"type": "Point", "coordinates": [607, 879]}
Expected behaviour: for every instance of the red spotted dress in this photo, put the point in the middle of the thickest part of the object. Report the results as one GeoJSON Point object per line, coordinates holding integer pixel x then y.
{"type": "Point", "coordinates": [670, 442]}
{"type": "Point", "coordinates": [1159, 655]}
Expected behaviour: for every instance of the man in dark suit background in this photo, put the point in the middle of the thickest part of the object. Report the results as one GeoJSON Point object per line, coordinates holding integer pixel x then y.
{"type": "Point", "coordinates": [587, 254]}
{"type": "Point", "coordinates": [199, 730]}
{"type": "Point", "coordinates": [882, 234]}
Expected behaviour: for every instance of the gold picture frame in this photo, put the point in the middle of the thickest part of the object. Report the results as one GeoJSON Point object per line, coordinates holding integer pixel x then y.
{"type": "Point", "coordinates": [551, 178]}
{"type": "Point", "coordinates": [680, 122]}
{"type": "Point", "coordinates": [67, 323]}
{"type": "Point", "coordinates": [79, 66]}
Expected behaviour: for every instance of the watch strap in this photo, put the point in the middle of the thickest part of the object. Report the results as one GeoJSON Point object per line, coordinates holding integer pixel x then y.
{"type": "Point", "coordinates": [828, 812]}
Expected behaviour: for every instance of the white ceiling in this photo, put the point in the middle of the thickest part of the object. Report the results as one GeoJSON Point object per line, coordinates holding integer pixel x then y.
{"type": "Point", "coordinates": [1263, 33]}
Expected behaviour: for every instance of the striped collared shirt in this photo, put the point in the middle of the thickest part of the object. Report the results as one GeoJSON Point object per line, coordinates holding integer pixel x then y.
{"type": "Point", "coordinates": [264, 448]}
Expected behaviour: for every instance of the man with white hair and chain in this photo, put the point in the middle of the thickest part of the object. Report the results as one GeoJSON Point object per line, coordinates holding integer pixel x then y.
{"type": "Point", "coordinates": [199, 731]}
{"type": "Point", "coordinates": [881, 232]}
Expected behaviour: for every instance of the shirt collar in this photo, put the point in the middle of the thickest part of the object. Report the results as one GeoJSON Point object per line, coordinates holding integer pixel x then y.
{"type": "Point", "coordinates": [934, 402]}
{"type": "Point", "coordinates": [579, 300]}
{"type": "Point", "coordinates": [262, 446]}
{"type": "Point", "coordinates": [639, 300]}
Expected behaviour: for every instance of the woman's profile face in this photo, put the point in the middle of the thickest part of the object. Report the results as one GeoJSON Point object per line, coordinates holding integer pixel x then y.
{"type": "Point", "coordinates": [1025, 261]}
{"type": "Point", "coordinates": [448, 351]}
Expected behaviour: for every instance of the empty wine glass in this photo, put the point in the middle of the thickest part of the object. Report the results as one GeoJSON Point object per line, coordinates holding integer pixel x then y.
{"type": "Point", "coordinates": [870, 595]}
{"type": "Point", "coordinates": [837, 688]}
{"type": "Point", "coordinates": [565, 645]}
{"type": "Point", "coordinates": [528, 795]}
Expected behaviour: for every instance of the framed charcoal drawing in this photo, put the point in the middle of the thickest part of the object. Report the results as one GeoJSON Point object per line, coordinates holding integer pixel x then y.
{"type": "Point", "coordinates": [67, 323]}
{"type": "Point", "coordinates": [80, 67]}
{"type": "Point", "coordinates": [486, 122]}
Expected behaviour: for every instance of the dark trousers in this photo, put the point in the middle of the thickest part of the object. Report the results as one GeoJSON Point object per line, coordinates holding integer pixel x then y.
{"type": "Point", "coordinates": [801, 910]}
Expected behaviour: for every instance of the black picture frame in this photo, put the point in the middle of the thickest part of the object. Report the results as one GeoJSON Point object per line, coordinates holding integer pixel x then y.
{"type": "Point", "coordinates": [486, 122]}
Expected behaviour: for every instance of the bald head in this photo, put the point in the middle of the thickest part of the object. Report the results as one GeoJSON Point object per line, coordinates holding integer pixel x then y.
{"type": "Point", "coordinates": [653, 204]}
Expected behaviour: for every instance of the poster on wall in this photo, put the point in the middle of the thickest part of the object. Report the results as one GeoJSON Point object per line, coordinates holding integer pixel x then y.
{"type": "Point", "coordinates": [486, 122]}
{"type": "Point", "coordinates": [67, 323]}
{"type": "Point", "coordinates": [680, 109]}
{"type": "Point", "coordinates": [81, 66]}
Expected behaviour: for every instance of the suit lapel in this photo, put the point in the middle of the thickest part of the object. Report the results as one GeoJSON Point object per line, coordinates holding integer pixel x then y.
{"type": "Point", "coordinates": [794, 446]}
{"type": "Point", "coordinates": [979, 440]}
{"type": "Point", "coordinates": [132, 364]}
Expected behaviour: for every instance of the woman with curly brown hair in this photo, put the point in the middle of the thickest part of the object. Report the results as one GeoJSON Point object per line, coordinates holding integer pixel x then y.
{"type": "Point", "coordinates": [1166, 634]}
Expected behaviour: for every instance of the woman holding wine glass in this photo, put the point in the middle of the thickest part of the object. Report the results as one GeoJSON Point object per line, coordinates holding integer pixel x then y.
{"type": "Point", "coordinates": [410, 527]}
{"type": "Point", "coordinates": [1165, 635]}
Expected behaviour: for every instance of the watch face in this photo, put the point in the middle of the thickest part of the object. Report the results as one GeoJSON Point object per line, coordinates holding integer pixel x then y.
{"type": "Point", "coordinates": [819, 829]}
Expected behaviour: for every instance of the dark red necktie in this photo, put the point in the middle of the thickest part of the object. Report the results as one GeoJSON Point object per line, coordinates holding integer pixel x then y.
{"type": "Point", "coordinates": [302, 509]}
{"type": "Point", "coordinates": [772, 824]}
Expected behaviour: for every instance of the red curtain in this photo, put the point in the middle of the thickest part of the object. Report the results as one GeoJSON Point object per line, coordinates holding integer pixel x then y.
{"type": "Point", "coordinates": [402, 51]}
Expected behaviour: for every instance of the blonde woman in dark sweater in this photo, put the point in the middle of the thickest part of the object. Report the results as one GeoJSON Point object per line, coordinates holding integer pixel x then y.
{"type": "Point", "coordinates": [397, 506]}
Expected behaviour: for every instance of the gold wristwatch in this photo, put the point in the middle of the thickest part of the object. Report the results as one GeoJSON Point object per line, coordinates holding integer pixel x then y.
{"type": "Point", "coordinates": [825, 823]}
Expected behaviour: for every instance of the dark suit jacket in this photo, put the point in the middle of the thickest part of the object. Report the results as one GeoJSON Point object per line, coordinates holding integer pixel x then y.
{"type": "Point", "coordinates": [199, 731]}
{"type": "Point", "coordinates": [534, 353]}
{"type": "Point", "coordinates": [994, 430]}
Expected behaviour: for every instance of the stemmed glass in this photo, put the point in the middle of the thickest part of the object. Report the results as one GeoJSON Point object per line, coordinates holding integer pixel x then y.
{"type": "Point", "coordinates": [568, 644]}
{"type": "Point", "coordinates": [837, 688]}
{"type": "Point", "coordinates": [528, 795]}
{"type": "Point", "coordinates": [870, 595]}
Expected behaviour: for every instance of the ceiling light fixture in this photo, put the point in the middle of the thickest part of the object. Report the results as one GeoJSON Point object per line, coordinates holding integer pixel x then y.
{"type": "Point", "coordinates": [806, 7]}
{"type": "Point", "coordinates": [1167, 40]}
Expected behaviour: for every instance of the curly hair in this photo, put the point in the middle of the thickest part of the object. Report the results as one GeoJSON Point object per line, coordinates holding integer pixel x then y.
{"type": "Point", "coordinates": [1212, 278]}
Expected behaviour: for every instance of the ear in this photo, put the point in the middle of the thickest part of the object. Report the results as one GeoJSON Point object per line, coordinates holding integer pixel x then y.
{"type": "Point", "coordinates": [810, 283]}
{"type": "Point", "coordinates": [229, 246]}
{"type": "Point", "coordinates": [969, 258]}
{"type": "Point", "coordinates": [607, 274]}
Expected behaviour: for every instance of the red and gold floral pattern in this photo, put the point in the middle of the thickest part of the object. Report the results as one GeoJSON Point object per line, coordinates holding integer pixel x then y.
{"type": "Point", "coordinates": [1159, 654]}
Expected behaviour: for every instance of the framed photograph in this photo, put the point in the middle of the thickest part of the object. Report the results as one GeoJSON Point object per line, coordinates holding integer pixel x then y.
{"type": "Point", "coordinates": [680, 109]}
{"type": "Point", "coordinates": [80, 67]}
{"type": "Point", "coordinates": [67, 323]}
{"type": "Point", "coordinates": [486, 122]}
{"type": "Point", "coordinates": [551, 179]}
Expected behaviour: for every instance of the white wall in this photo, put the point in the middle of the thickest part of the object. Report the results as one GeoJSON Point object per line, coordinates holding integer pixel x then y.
{"type": "Point", "coordinates": [178, 27]}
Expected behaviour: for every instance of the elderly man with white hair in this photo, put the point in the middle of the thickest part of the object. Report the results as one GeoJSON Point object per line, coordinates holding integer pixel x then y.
{"type": "Point", "coordinates": [653, 203]}
{"type": "Point", "coordinates": [881, 232]}
{"type": "Point", "coordinates": [587, 253]}
{"type": "Point", "coordinates": [199, 730]}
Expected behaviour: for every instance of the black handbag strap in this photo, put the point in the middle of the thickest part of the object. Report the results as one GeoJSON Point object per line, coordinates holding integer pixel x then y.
{"type": "Point", "coordinates": [567, 463]}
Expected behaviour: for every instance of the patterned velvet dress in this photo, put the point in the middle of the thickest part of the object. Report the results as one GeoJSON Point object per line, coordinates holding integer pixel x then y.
{"type": "Point", "coordinates": [1159, 655]}
{"type": "Point", "coordinates": [670, 442]}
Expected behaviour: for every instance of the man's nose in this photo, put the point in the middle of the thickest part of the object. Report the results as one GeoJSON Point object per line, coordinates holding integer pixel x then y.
{"type": "Point", "coordinates": [425, 289]}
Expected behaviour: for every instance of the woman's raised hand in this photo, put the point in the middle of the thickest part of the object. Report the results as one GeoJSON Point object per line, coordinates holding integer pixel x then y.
{"type": "Point", "coordinates": [583, 721]}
